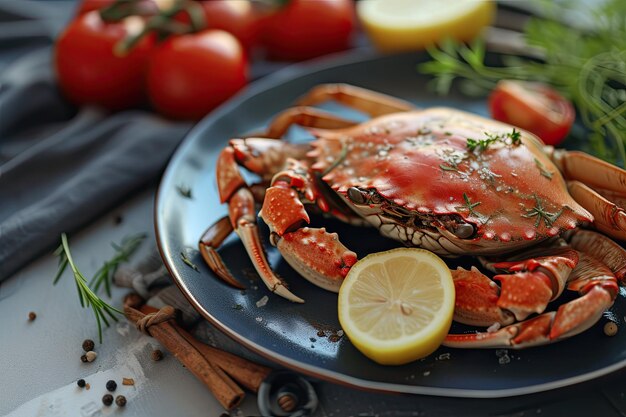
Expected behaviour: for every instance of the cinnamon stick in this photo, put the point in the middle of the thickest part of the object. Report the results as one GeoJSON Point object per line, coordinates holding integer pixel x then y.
{"type": "Point", "coordinates": [247, 373]}
{"type": "Point", "coordinates": [179, 343]}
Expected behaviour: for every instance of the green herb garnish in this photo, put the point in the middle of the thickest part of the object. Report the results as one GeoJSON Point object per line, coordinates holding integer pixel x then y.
{"type": "Point", "coordinates": [123, 252]}
{"type": "Point", "coordinates": [542, 169]}
{"type": "Point", "coordinates": [469, 206]}
{"type": "Point", "coordinates": [540, 213]}
{"type": "Point", "coordinates": [86, 295]}
{"type": "Point", "coordinates": [587, 67]}
{"type": "Point", "coordinates": [184, 191]}
{"type": "Point", "coordinates": [188, 262]}
{"type": "Point", "coordinates": [513, 138]}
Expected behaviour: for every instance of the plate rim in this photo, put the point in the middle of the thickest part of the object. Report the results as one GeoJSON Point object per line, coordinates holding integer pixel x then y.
{"type": "Point", "coordinates": [259, 86]}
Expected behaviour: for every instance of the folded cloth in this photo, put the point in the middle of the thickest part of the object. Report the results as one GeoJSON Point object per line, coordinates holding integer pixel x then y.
{"type": "Point", "coordinates": [62, 167]}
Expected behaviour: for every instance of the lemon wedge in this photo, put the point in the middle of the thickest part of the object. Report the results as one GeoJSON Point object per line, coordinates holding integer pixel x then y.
{"type": "Point", "coordinates": [401, 25]}
{"type": "Point", "coordinates": [396, 306]}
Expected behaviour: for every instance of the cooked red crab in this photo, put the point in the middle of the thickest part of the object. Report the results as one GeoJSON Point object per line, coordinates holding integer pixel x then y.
{"type": "Point", "coordinates": [440, 179]}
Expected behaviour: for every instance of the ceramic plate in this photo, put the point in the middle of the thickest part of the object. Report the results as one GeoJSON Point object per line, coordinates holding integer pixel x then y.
{"type": "Point", "coordinates": [304, 337]}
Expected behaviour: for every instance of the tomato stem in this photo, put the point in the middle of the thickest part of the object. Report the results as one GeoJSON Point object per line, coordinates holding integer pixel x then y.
{"type": "Point", "coordinates": [121, 9]}
{"type": "Point", "coordinates": [165, 25]}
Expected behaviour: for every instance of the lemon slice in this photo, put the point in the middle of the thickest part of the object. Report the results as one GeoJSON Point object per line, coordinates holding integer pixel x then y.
{"type": "Point", "coordinates": [400, 25]}
{"type": "Point", "coordinates": [396, 306]}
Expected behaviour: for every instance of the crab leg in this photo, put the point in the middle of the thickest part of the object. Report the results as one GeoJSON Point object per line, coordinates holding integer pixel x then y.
{"type": "Point", "coordinates": [590, 178]}
{"type": "Point", "coordinates": [260, 156]}
{"type": "Point", "coordinates": [317, 255]}
{"type": "Point", "coordinates": [370, 102]}
{"type": "Point", "coordinates": [601, 248]}
{"type": "Point", "coordinates": [306, 117]}
{"type": "Point", "coordinates": [212, 239]}
{"type": "Point", "coordinates": [591, 278]}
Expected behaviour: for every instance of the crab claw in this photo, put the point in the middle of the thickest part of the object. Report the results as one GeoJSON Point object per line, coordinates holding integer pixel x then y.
{"type": "Point", "coordinates": [593, 280]}
{"type": "Point", "coordinates": [318, 256]}
{"type": "Point", "coordinates": [476, 300]}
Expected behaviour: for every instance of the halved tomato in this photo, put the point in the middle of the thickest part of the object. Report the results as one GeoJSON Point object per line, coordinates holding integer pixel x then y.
{"type": "Point", "coordinates": [532, 106]}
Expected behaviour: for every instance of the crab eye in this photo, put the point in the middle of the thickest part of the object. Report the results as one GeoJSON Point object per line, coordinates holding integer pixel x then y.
{"type": "Point", "coordinates": [463, 230]}
{"type": "Point", "coordinates": [357, 196]}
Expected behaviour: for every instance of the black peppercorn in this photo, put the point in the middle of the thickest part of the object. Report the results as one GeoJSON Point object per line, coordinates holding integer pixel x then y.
{"type": "Point", "coordinates": [32, 316]}
{"type": "Point", "coordinates": [81, 383]}
{"type": "Point", "coordinates": [88, 345]}
{"type": "Point", "coordinates": [107, 399]}
{"type": "Point", "coordinates": [84, 358]}
{"type": "Point", "coordinates": [120, 400]}
{"type": "Point", "coordinates": [157, 355]}
{"type": "Point", "coordinates": [111, 385]}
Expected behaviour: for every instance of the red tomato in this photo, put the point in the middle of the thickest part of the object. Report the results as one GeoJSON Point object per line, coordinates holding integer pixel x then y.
{"type": "Point", "coordinates": [190, 75]}
{"type": "Point", "coordinates": [89, 72]}
{"type": "Point", "coordinates": [534, 107]}
{"type": "Point", "coordinates": [241, 18]}
{"type": "Point", "coordinates": [305, 29]}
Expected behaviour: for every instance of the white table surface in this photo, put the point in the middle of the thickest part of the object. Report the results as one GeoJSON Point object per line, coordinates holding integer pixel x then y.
{"type": "Point", "coordinates": [40, 360]}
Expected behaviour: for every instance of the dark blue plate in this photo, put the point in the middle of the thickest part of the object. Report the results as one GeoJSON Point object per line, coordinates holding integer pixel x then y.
{"type": "Point", "coordinates": [303, 336]}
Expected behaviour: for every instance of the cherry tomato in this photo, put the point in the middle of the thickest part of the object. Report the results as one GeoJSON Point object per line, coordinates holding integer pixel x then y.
{"type": "Point", "coordinates": [88, 70]}
{"type": "Point", "coordinates": [190, 75]}
{"type": "Point", "coordinates": [242, 18]}
{"type": "Point", "coordinates": [305, 29]}
{"type": "Point", "coordinates": [534, 107]}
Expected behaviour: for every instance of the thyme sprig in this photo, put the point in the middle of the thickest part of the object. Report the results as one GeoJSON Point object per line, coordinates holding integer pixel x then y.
{"type": "Point", "coordinates": [587, 67]}
{"type": "Point", "coordinates": [87, 297]}
{"type": "Point", "coordinates": [512, 138]}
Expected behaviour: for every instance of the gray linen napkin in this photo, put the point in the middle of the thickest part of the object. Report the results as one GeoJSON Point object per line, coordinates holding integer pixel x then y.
{"type": "Point", "coordinates": [62, 167]}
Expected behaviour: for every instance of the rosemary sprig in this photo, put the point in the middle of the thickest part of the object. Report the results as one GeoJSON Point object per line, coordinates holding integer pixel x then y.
{"type": "Point", "coordinates": [587, 67]}
{"type": "Point", "coordinates": [469, 206]}
{"type": "Point", "coordinates": [539, 212]}
{"type": "Point", "coordinates": [104, 275]}
{"type": "Point", "coordinates": [87, 297]}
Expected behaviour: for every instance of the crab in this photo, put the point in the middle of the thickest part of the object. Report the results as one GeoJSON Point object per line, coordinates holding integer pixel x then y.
{"type": "Point", "coordinates": [444, 180]}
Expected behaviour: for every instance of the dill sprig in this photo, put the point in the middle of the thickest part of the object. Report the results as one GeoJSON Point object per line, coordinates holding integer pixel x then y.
{"type": "Point", "coordinates": [123, 252]}
{"type": "Point", "coordinates": [587, 67]}
{"type": "Point", "coordinates": [88, 297]}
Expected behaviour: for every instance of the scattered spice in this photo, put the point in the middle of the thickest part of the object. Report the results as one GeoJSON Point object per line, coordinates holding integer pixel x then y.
{"type": "Point", "coordinates": [91, 356]}
{"type": "Point", "coordinates": [87, 386]}
{"type": "Point", "coordinates": [133, 300]}
{"type": "Point", "coordinates": [610, 328]}
{"type": "Point", "coordinates": [81, 383]}
{"type": "Point", "coordinates": [263, 301]}
{"type": "Point", "coordinates": [83, 358]}
{"type": "Point", "coordinates": [157, 355]}
{"type": "Point", "coordinates": [32, 316]}
{"type": "Point", "coordinates": [118, 219]}
{"type": "Point", "coordinates": [120, 400]}
{"type": "Point", "coordinates": [184, 191]}
{"type": "Point", "coordinates": [107, 399]}
{"type": "Point", "coordinates": [128, 381]}
{"type": "Point", "coordinates": [111, 385]}
{"type": "Point", "coordinates": [88, 345]}
{"type": "Point", "coordinates": [287, 401]}
{"type": "Point", "coordinates": [188, 262]}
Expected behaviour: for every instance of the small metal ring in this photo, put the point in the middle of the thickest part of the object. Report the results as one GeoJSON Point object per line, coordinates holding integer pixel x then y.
{"type": "Point", "coordinates": [286, 394]}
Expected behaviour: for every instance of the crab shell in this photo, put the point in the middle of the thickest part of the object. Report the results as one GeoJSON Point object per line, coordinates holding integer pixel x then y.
{"type": "Point", "coordinates": [510, 192]}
